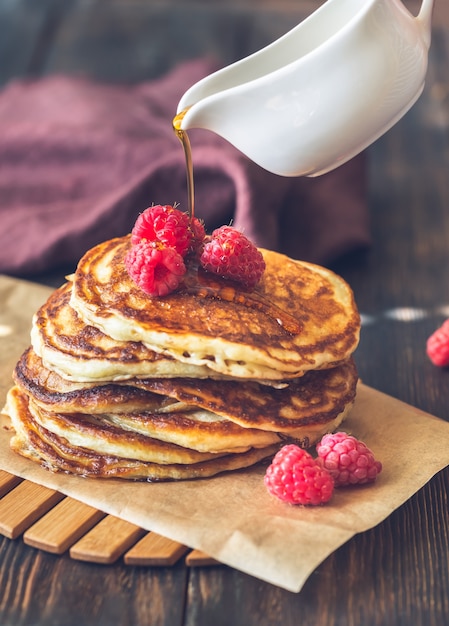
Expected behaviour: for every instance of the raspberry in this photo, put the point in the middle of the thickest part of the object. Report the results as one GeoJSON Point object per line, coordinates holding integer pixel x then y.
{"type": "Point", "coordinates": [438, 346]}
{"type": "Point", "coordinates": [294, 476]}
{"type": "Point", "coordinates": [169, 226]}
{"type": "Point", "coordinates": [230, 254]}
{"type": "Point", "coordinates": [157, 270]}
{"type": "Point", "coordinates": [348, 460]}
{"type": "Point", "coordinates": [198, 233]}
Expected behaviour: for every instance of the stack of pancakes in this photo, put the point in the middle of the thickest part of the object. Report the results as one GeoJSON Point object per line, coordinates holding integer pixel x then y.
{"type": "Point", "coordinates": [207, 379]}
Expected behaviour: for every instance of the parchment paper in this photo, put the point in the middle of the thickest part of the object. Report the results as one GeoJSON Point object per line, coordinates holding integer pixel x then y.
{"type": "Point", "coordinates": [232, 517]}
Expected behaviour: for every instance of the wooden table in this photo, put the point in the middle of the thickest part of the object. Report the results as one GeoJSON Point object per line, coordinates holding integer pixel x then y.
{"type": "Point", "coordinates": [395, 574]}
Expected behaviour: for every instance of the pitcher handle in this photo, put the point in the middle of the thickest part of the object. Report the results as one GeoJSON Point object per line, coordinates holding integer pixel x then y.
{"type": "Point", "coordinates": [425, 18]}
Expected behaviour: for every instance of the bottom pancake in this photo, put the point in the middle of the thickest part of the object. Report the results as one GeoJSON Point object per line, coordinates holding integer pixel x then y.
{"type": "Point", "coordinates": [54, 452]}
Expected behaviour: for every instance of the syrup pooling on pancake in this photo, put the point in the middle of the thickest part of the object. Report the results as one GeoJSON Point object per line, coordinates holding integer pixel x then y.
{"type": "Point", "coordinates": [227, 337]}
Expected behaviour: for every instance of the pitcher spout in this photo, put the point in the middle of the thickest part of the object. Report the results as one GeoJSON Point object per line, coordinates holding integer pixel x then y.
{"type": "Point", "coordinates": [425, 19]}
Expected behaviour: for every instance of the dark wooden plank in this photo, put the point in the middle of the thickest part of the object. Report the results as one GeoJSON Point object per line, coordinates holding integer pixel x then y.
{"type": "Point", "coordinates": [27, 27]}
{"type": "Point", "coordinates": [20, 32]}
{"type": "Point", "coordinates": [129, 42]}
{"type": "Point", "coordinates": [40, 588]}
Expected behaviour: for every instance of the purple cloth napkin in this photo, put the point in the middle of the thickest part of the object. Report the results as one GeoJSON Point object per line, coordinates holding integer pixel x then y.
{"type": "Point", "coordinates": [79, 160]}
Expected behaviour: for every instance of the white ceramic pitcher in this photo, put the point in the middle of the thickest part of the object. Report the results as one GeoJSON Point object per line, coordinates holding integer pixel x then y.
{"type": "Point", "coordinates": [323, 92]}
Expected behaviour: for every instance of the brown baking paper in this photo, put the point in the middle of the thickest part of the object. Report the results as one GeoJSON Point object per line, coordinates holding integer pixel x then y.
{"type": "Point", "coordinates": [232, 517]}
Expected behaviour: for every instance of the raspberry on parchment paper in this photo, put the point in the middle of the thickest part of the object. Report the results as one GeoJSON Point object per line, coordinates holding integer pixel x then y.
{"type": "Point", "coordinates": [348, 460]}
{"type": "Point", "coordinates": [294, 476]}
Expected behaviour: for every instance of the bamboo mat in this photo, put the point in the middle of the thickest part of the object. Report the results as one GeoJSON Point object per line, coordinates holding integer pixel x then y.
{"type": "Point", "coordinates": [47, 520]}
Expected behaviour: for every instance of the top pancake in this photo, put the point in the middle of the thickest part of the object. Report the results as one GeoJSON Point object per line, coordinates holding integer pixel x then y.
{"type": "Point", "coordinates": [82, 353]}
{"type": "Point", "coordinates": [299, 317]}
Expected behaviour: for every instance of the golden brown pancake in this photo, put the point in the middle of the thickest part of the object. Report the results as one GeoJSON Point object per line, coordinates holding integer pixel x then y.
{"type": "Point", "coordinates": [198, 430]}
{"type": "Point", "coordinates": [57, 454]}
{"type": "Point", "coordinates": [53, 392]}
{"type": "Point", "coordinates": [299, 317]}
{"type": "Point", "coordinates": [83, 353]}
{"type": "Point", "coordinates": [206, 432]}
{"type": "Point", "coordinates": [317, 398]}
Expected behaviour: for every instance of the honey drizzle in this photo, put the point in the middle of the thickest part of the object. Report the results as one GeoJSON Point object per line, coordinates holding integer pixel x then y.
{"type": "Point", "coordinates": [184, 139]}
{"type": "Point", "coordinates": [252, 300]}
{"type": "Point", "coordinates": [227, 293]}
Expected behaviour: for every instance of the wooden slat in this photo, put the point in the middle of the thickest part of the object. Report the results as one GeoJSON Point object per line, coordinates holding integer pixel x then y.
{"type": "Point", "coordinates": [107, 541]}
{"type": "Point", "coordinates": [61, 527]}
{"type": "Point", "coordinates": [22, 506]}
{"type": "Point", "coordinates": [54, 523]}
{"type": "Point", "coordinates": [8, 482]}
{"type": "Point", "coordinates": [153, 549]}
{"type": "Point", "coordinates": [197, 558]}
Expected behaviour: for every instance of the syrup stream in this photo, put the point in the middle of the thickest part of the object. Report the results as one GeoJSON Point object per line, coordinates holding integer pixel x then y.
{"type": "Point", "coordinates": [228, 293]}
{"type": "Point", "coordinates": [184, 139]}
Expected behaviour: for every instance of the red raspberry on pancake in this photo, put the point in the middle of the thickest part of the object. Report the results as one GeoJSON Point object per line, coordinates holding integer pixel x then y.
{"type": "Point", "coordinates": [231, 255]}
{"type": "Point", "coordinates": [169, 226]}
{"type": "Point", "coordinates": [156, 269]}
